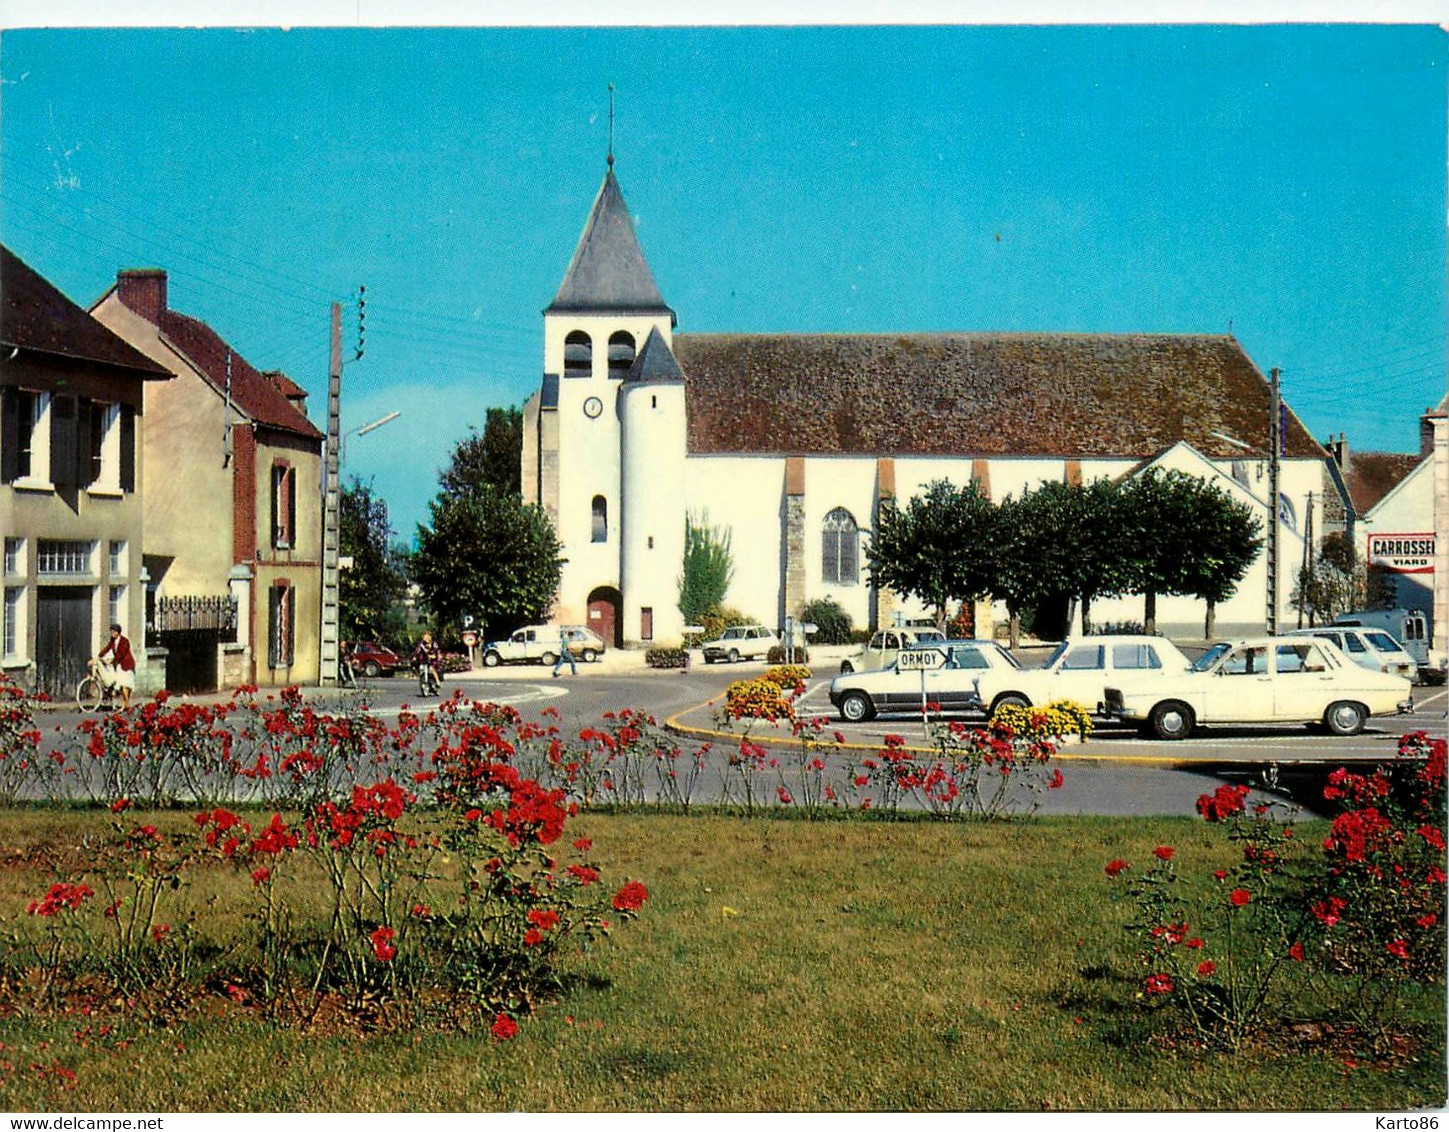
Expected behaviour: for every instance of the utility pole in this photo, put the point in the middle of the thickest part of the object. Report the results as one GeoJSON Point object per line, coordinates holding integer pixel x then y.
{"type": "Point", "coordinates": [332, 507]}
{"type": "Point", "coordinates": [1275, 443]}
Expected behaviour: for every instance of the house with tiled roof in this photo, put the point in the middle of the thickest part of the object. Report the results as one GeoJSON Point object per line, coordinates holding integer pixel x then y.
{"type": "Point", "coordinates": [233, 510]}
{"type": "Point", "coordinates": [791, 441]}
{"type": "Point", "coordinates": [72, 401]}
{"type": "Point", "coordinates": [1399, 505]}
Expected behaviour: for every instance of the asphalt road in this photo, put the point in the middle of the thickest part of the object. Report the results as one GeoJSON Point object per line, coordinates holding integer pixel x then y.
{"type": "Point", "coordinates": [1115, 772]}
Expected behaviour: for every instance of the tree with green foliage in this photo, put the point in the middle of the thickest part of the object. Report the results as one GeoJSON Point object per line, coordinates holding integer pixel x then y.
{"type": "Point", "coordinates": [492, 458]}
{"type": "Point", "coordinates": [1336, 583]}
{"type": "Point", "coordinates": [1186, 535]}
{"type": "Point", "coordinates": [707, 569]}
{"type": "Point", "coordinates": [941, 547]}
{"type": "Point", "coordinates": [371, 589]}
{"type": "Point", "coordinates": [488, 554]}
{"type": "Point", "coordinates": [833, 625]}
{"type": "Point", "coordinates": [1228, 538]}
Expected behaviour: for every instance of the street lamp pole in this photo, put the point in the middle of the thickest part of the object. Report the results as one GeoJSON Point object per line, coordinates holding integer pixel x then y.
{"type": "Point", "coordinates": [1275, 447]}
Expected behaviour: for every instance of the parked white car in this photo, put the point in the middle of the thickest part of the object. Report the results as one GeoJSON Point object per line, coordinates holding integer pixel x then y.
{"type": "Point", "coordinates": [862, 695]}
{"type": "Point", "coordinates": [1264, 680]}
{"type": "Point", "coordinates": [1372, 648]}
{"type": "Point", "coordinates": [884, 646]}
{"type": "Point", "coordinates": [539, 644]}
{"type": "Point", "coordinates": [741, 642]}
{"type": "Point", "coordinates": [1080, 670]}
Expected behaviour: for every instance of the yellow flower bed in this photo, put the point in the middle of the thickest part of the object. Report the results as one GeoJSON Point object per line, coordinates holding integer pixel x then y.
{"type": "Point", "coordinates": [788, 675]}
{"type": "Point", "coordinates": [757, 699]}
{"type": "Point", "coordinates": [1060, 717]}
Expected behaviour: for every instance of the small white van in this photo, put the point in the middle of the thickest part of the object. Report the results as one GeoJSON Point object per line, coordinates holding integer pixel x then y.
{"type": "Point", "coordinates": [1371, 648]}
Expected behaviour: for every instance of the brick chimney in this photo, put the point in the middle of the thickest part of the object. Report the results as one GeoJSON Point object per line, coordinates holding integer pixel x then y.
{"type": "Point", "coordinates": [143, 291]}
{"type": "Point", "coordinates": [1426, 430]}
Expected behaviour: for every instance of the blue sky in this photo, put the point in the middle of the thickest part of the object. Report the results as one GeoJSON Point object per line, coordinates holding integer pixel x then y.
{"type": "Point", "coordinates": [1286, 184]}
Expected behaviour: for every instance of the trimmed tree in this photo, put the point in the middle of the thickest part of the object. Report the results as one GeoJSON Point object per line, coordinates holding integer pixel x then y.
{"type": "Point", "coordinates": [489, 554]}
{"type": "Point", "coordinates": [1228, 539]}
{"type": "Point", "coordinates": [941, 547]}
{"type": "Point", "coordinates": [492, 458]}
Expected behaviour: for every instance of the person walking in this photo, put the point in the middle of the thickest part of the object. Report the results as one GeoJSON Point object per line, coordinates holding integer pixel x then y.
{"type": "Point", "coordinates": [564, 654]}
{"type": "Point", "coordinates": [119, 649]}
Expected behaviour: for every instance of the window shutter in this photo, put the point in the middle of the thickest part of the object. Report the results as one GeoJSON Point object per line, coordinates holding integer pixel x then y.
{"type": "Point", "coordinates": [274, 624]}
{"type": "Point", "coordinates": [63, 442]}
{"type": "Point", "coordinates": [276, 505]}
{"type": "Point", "coordinates": [128, 448]}
{"type": "Point", "coordinates": [85, 440]}
{"type": "Point", "coordinates": [9, 435]}
{"type": "Point", "coordinates": [291, 478]}
{"type": "Point", "coordinates": [291, 617]}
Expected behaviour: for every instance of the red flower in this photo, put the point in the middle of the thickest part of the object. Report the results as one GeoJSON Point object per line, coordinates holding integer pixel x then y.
{"type": "Point", "coordinates": [158, 932]}
{"type": "Point", "coordinates": [1330, 911]}
{"type": "Point", "coordinates": [1193, 943]}
{"type": "Point", "coordinates": [584, 844]}
{"type": "Point", "coordinates": [504, 1028]}
{"type": "Point", "coordinates": [382, 944]}
{"type": "Point", "coordinates": [1056, 781]}
{"type": "Point", "coordinates": [1224, 803]}
{"type": "Point", "coordinates": [1206, 968]}
{"type": "Point", "coordinates": [1220, 874]}
{"type": "Point", "coordinates": [532, 938]}
{"type": "Point", "coordinates": [1164, 852]}
{"type": "Point", "coordinates": [1158, 984]}
{"type": "Point", "coordinates": [1240, 897]}
{"type": "Point", "coordinates": [1296, 952]}
{"type": "Point", "coordinates": [1427, 921]}
{"type": "Point", "coordinates": [1116, 866]}
{"type": "Point", "coordinates": [261, 876]}
{"type": "Point", "coordinates": [585, 875]}
{"type": "Point", "coordinates": [630, 897]}
{"type": "Point", "coordinates": [545, 918]}
{"type": "Point", "coordinates": [1399, 949]}
{"type": "Point", "coordinates": [120, 804]}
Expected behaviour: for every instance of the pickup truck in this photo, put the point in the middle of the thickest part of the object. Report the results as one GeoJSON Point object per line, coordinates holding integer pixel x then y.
{"type": "Point", "coordinates": [538, 644]}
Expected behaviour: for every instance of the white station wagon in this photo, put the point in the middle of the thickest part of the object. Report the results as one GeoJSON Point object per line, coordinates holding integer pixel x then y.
{"type": "Point", "coordinates": [885, 646]}
{"type": "Point", "coordinates": [1264, 680]}
{"type": "Point", "coordinates": [1081, 668]}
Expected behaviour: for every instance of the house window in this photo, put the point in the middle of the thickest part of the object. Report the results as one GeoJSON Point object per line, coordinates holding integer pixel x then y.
{"type": "Point", "coordinates": [14, 610]}
{"type": "Point", "coordinates": [116, 559]}
{"type": "Point", "coordinates": [646, 623]}
{"type": "Point", "coordinates": [284, 505]}
{"type": "Point", "coordinates": [104, 468]}
{"type": "Point", "coordinates": [14, 557]}
{"type": "Point", "coordinates": [621, 353]}
{"type": "Point", "coordinates": [58, 556]}
{"type": "Point", "coordinates": [840, 548]}
{"type": "Point", "coordinates": [281, 618]}
{"type": "Point", "coordinates": [24, 436]}
{"type": "Point", "coordinates": [578, 355]}
{"type": "Point", "coordinates": [600, 520]}
{"type": "Point", "coordinates": [116, 606]}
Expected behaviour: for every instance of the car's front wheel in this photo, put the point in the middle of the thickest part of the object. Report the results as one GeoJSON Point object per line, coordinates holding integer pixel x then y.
{"type": "Point", "coordinates": [1345, 718]}
{"type": "Point", "coordinates": [372, 669]}
{"type": "Point", "coordinates": [855, 707]}
{"type": "Point", "coordinates": [491, 660]}
{"type": "Point", "coordinates": [1009, 699]}
{"type": "Point", "coordinates": [1172, 720]}
{"type": "Point", "coordinates": [734, 655]}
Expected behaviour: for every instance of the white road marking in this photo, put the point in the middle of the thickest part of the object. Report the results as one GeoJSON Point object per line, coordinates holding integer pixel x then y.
{"type": "Point", "coordinates": [531, 694]}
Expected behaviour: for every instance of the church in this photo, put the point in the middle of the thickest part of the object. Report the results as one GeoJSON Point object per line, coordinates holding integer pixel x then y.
{"type": "Point", "coordinates": [791, 441]}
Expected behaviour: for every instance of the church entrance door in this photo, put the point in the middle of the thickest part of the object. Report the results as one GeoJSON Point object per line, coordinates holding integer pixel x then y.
{"type": "Point", "coordinates": [604, 604]}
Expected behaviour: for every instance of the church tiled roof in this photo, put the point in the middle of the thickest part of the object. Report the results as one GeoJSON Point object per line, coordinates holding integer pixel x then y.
{"type": "Point", "coordinates": [608, 273]}
{"type": "Point", "coordinates": [1117, 395]}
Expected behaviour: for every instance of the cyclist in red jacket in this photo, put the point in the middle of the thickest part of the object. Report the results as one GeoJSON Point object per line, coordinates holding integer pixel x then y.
{"type": "Point", "coordinates": [124, 660]}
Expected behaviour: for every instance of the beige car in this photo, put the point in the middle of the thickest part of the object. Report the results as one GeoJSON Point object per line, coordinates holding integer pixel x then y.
{"type": "Point", "coordinates": [1264, 680]}
{"type": "Point", "coordinates": [886, 645]}
{"type": "Point", "coordinates": [1081, 668]}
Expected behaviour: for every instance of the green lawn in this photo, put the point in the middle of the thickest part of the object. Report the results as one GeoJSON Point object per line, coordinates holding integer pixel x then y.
{"type": "Point", "coordinates": [779, 964]}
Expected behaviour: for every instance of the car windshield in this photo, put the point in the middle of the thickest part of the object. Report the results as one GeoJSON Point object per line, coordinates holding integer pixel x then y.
{"type": "Point", "coordinates": [925, 635]}
{"type": "Point", "coordinates": [1383, 642]}
{"type": "Point", "coordinates": [1211, 657]}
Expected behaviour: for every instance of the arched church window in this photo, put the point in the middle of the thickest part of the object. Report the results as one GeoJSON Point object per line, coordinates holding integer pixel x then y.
{"type": "Point", "coordinates": [621, 353]}
{"type": "Point", "coordinates": [601, 519]}
{"type": "Point", "coordinates": [840, 548]}
{"type": "Point", "coordinates": [1287, 513]}
{"type": "Point", "coordinates": [578, 355]}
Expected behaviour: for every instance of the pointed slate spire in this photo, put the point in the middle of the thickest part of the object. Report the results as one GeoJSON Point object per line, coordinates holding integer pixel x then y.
{"type": "Point", "coordinates": [656, 362]}
{"type": "Point", "coordinates": [608, 273]}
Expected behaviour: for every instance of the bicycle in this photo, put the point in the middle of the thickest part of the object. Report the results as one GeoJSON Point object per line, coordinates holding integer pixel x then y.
{"type": "Point", "coordinates": [98, 690]}
{"type": "Point", "coordinates": [428, 680]}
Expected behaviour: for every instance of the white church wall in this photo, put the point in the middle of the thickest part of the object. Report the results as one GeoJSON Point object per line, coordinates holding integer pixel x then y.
{"type": "Point", "coordinates": [744, 494]}
{"type": "Point", "coordinates": [831, 482]}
